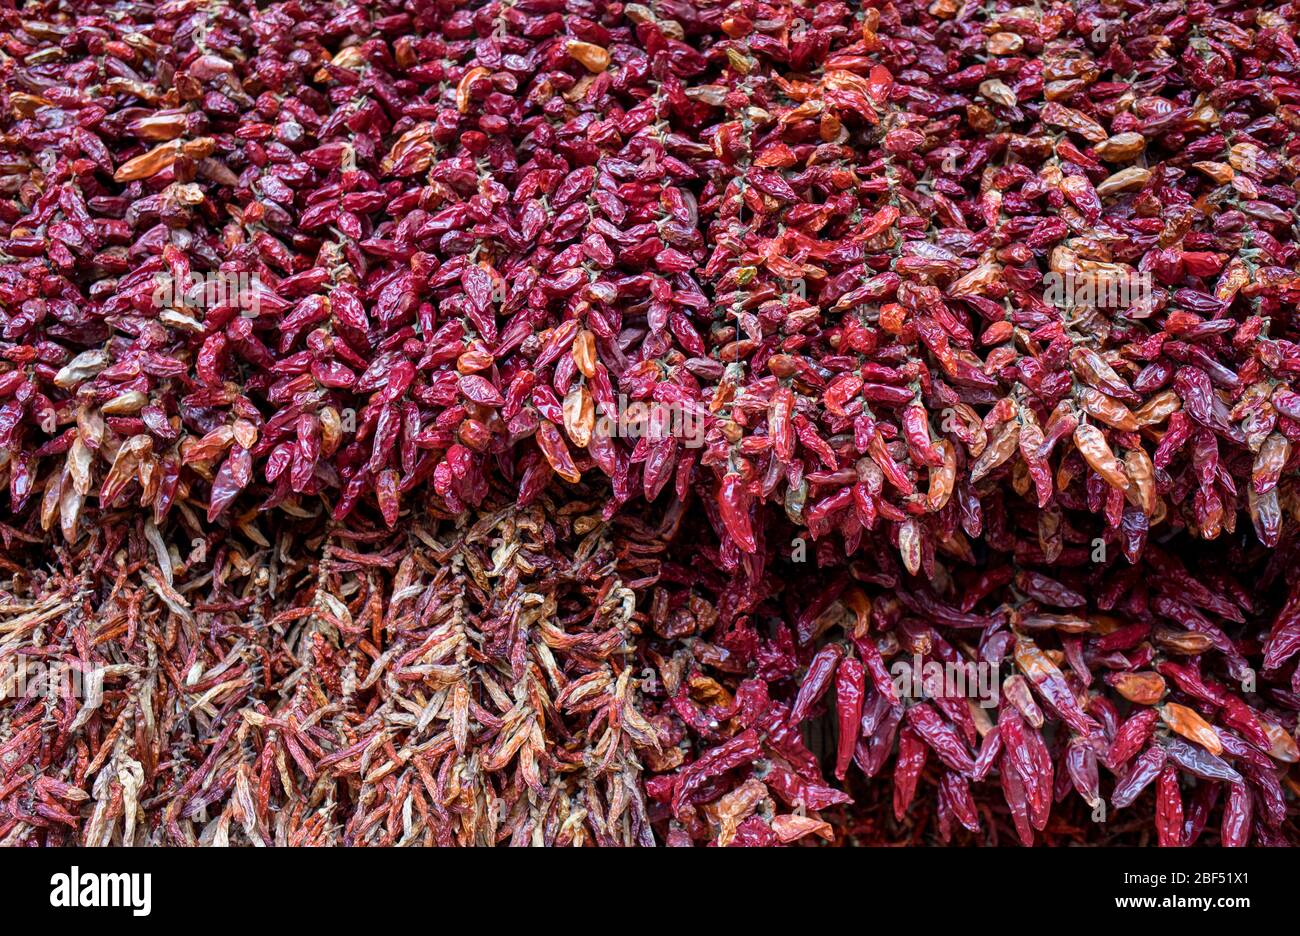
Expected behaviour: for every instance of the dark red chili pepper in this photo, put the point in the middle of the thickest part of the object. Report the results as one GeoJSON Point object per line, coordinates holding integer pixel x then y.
{"type": "Point", "coordinates": [850, 688]}
{"type": "Point", "coordinates": [816, 681]}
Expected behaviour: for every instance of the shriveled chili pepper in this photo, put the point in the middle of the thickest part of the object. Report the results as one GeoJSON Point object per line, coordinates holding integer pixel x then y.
{"type": "Point", "coordinates": [1146, 768]}
{"type": "Point", "coordinates": [850, 687]}
{"type": "Point", "coordinates": [816, 681]}
{"type": "Point", "coordinates": [941, 737]}
{"type": "Point", "coordinates": [1169, 809]}
{"type": "Point", "coordinates": [1049, 682]}
{"type": "Point", "coordinates": [907, 770]}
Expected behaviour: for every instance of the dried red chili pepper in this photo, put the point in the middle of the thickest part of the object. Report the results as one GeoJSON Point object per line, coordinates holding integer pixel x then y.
{"type": "Point", "coordinates": [708, 260]}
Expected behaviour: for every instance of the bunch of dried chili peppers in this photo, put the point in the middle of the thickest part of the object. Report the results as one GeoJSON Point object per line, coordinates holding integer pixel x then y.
{"type": "Point", "coordinates": [571, 422]}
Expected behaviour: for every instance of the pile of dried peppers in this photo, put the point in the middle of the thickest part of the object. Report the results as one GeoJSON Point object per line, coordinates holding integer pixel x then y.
{"type": "Point", "coordinates": [568, 422]}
